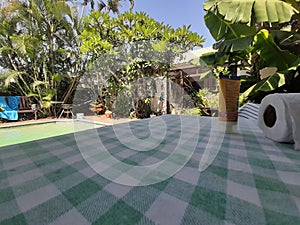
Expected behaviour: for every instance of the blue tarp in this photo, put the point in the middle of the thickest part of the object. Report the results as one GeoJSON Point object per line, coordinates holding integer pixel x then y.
{"type": "Point", "coordinates": [8, 113]}
{"type": "Point", "coordinates": [13, 102]}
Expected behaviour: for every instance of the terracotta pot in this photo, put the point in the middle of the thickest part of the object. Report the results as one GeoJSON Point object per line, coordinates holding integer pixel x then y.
{"type": "Point", "coordinates": [108, 114]}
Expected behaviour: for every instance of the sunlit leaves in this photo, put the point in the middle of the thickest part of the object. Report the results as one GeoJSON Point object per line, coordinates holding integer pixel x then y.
{"type": "Point", "coordinates": [39, 40]}
{"type": "Point", "coordinates": [38, 83]}
{"type": "Point", "coordinates": [129, 27]}
{"type": "Point", "coordinates": [132, 46]}
{"type": "Point", "coordinates": [254, 34]}
{"type": "Point", "coordinates": [221, 29]}
{"type": "Point", "coordinates": [251, 11]}
{"type": "Point", "coordinates": [264, 86]}
{"type": "Point", "coordinates": [12, 75]}
{"type": "Point", "coordinates": [268, 49]}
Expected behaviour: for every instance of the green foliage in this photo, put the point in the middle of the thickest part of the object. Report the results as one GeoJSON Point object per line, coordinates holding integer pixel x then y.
{"type": "Point", "coordinates": [132, 46]}
{"type": "Point", "coordinates": [222, 29]}
{"type": "Point", "coordinates": [204, 99]}
{"type": "Point", "coordinates": [260, 88]}
{"type": "Point", "coordinates": [264, 42]}
{"type": "Point", "coordinates": [220, 70]}
{"type": "Point", "coordinates": [39, 48]}
{"type": "Point", "coordinates": [252, 35]}
{"type": "Point", "coordinates": [191, 112]}
{"type": "Point", "coordinates": [200, 99]}
{"type": "Point", "coordinates": [108, 6]}
{"type": "Point", "coordinates": [251, 11]}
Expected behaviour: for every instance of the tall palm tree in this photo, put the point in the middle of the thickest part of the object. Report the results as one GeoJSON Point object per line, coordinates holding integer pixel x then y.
{"type": "Point", "coordinates": [6, 2]}
{"type": "Point", "coordinates": [42, 48]}
{"type": "Point", "coordinates": [110, 5]}
{"type": "Point", "coordinates": [3, 2]}
{"type": "Point", "coordinates": [131, 4]}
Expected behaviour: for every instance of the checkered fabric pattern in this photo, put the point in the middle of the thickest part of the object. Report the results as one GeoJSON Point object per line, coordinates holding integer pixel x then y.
{"type": "Point", "coordinates": [252, 180]}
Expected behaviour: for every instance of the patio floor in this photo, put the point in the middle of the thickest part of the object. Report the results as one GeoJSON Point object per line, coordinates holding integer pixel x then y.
{"type": "Point", "coordinates": [251, 179]}
{"type": "Point", "coordinates": [99, 119]}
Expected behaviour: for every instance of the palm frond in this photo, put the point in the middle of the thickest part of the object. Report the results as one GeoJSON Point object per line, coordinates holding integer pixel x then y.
{"type": "Point", "coordinates": [12, 75]}
{"type": "Point", "coordinates": [131, 4]}
{"type": "Point", "coordinates": [101, 5]}
{"type": "Point", "coordinates": [37, 83]}
{"type": "Point", "coordinates": [114, 5]}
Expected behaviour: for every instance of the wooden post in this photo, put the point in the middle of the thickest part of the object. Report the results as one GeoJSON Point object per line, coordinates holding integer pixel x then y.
{"type": "Point", "coordinates": [165, 108]}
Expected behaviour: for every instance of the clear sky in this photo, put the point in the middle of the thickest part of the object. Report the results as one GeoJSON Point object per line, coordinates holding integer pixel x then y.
{"type": "Point", "coordinates": [176, 13]}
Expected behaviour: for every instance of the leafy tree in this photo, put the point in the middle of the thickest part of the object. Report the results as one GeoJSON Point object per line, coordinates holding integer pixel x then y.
{"type": "Point", "coordinates": [249, 34]}
{"type": "Point", "coordinates": [39, 49]}
{"type": "Point", "coordinates": [132, 46]}
{"type": "Point", "coordinates": [42, 53]}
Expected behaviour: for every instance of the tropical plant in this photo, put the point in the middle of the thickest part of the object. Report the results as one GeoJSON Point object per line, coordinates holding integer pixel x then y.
{"type": "Point", "coordinates": [204, 100]}
{"type": "Point", "coordinates": [191, 112]}
{"type": "Point", "coordinates": [221, 70]}
{"type": "Point", "coordinates": [110, 6]}
{"type": "Point", "coordinates": [132, 46]}
{"type": "Point", "coordinates": [39, 48]}
{"type": "Point", "coordinates": [249, 34]}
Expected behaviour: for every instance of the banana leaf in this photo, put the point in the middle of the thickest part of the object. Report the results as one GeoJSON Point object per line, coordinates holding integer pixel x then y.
{"type": "Point", "coordinates": [271, 52]}
{"type": "Point", "coordinates": [221, 29]}
{"type": "Point", "coordinates": [238, 44]}
{"type": "Point", "coordinates": [264, 86]}
{"type": "Point", "coordinates": [252, 11]}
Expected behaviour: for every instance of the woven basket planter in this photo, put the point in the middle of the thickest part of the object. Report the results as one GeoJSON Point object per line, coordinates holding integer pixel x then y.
{"type": "Point", "coordinates": [228, 97]}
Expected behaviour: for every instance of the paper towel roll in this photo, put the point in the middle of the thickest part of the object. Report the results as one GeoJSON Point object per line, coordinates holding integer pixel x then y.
{"type": "Point", "coordinates": [279, 118]}
{"type": "Point", "coordinates": [293, 103]}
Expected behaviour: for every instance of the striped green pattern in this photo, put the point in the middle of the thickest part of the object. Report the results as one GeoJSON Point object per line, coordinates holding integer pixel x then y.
{"type": "Point", "coordinates": [252, 180]}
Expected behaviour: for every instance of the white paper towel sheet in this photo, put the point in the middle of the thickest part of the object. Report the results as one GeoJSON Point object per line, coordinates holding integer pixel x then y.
{"type": "Point", "coordinates": [279, 118]}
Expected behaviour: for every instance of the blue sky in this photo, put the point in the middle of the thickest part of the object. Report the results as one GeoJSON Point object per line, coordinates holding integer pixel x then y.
{"type": "Point", "coordinates": [177, 13]}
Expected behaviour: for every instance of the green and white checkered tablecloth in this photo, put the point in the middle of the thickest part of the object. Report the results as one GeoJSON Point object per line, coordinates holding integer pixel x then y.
{"type": "Point", "coordinates": [247, 179]}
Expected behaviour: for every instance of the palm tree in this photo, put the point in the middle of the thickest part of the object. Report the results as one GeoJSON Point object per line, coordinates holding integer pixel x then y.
{"type": "Point", "coordinates": [3, 2]}
{"type": "Point", "coordinates": [109, 6]}
{"type": "Point", "coordinates": [131, 4]}
{"type": "Point", "coordinates": [41, 48]}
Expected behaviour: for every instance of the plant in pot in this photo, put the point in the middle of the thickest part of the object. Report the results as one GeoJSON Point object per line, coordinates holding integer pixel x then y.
{"type": "Point", "coordinates": [257, 38]}
{"type": "Point", "coordinates": [205, 102]}
{"type": "Point", "coordinates": [229, 90]}
{"type": "Point", "coordinates": [108, 113]}
{"type": "Point", "coordinates": [97, 107]}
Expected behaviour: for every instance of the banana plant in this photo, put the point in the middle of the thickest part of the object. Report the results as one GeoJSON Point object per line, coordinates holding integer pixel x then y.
{"type": "Point", "coordinates": [252, 12]}
{"type": "Point", "coordinates": [249, 34]}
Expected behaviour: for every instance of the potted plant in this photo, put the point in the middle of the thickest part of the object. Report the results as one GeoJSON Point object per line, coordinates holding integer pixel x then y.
{"type": "Point", "coordinates": [229, 90]}
{"type": "Point", "coordinates": [108, 113]}
{"type": "Point", "coordinates": [207, 104]}
{"type": "Point", "coordinates": [97, 108]}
